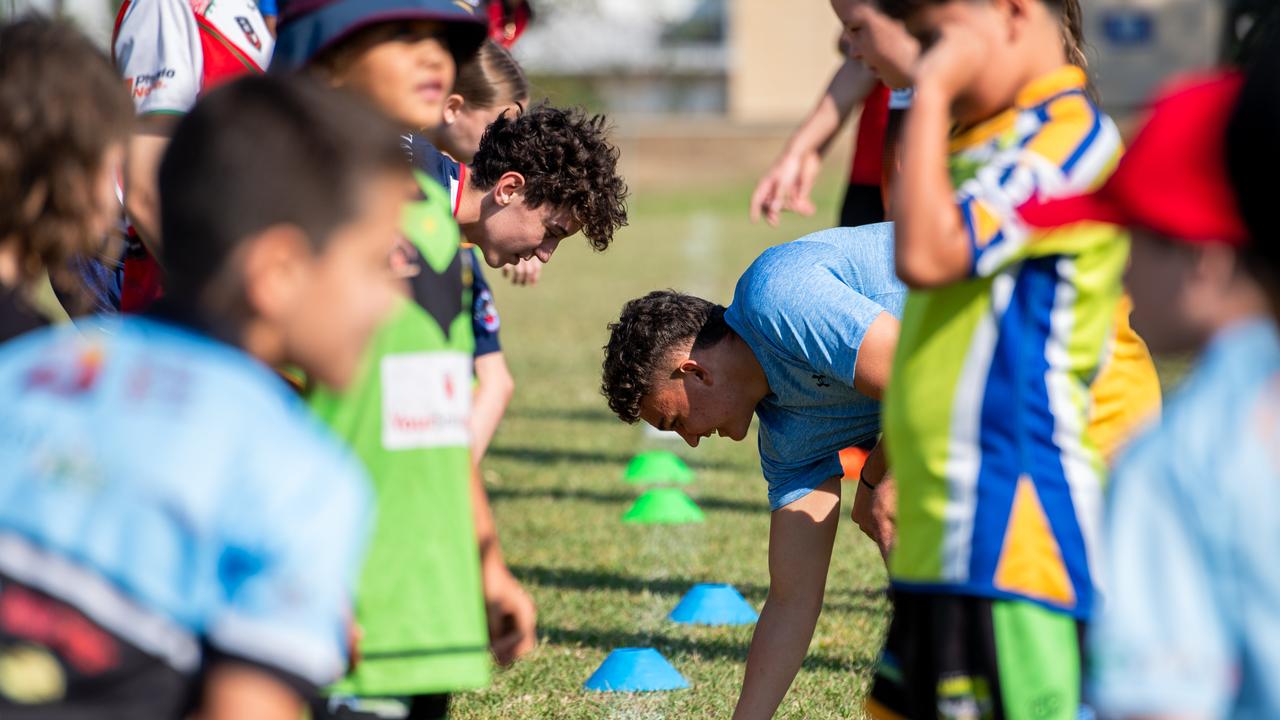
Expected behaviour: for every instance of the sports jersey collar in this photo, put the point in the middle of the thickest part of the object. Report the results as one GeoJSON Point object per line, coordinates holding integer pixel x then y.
{"type": "Point", "coordinates": [455, 188]}
{"type": "Point", "coordinates": [1033, 94]}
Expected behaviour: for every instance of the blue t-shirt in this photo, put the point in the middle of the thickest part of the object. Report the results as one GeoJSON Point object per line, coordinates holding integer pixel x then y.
{"type": "Point", "coordinates": [803, 308]}
{"type": "Point", "coordinates": [1190, 624]}
{"type": "Point", "coordinates": [169, 499]}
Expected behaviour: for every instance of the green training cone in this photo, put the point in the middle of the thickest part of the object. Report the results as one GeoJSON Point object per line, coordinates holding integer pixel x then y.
{"type": "Point", "coordinates": [657, 467]}
{"type": "Point", "coordinates": [663, 505]}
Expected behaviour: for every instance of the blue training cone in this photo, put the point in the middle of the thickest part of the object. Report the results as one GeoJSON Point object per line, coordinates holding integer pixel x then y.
{"type": "Point", "coordinates": [714, 604]}
{"type": "Point", "coordinates": [635, 670]}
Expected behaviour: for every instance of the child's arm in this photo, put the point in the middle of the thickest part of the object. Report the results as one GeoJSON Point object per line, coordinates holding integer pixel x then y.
{"type": "Point", "coordinates": [800, 539]}
{"type": "Point", "coordinates": [932, 244]}
{"type": "Point", "coordinates": [494, 388]}
{"type": "Point", "coordinates": [142, 164]}
{"type": "Point", "coordinates": [787, 184]}
{"type": "Point", "coordinates": [510, 611]}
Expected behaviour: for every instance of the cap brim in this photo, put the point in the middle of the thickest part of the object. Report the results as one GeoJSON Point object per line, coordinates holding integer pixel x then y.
{"type": "Point", "coordinates": [1094, 207]}
{"type": "Point", "coordinates": [303, 37]}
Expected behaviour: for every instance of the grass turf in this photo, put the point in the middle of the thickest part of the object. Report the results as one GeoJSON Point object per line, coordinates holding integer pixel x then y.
{"type": "Point", "coordinates": [555, 478]}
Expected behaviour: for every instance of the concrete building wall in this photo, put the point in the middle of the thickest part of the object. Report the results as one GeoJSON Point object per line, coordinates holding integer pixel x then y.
{"type": "Point", "coordinates": [781, 55]}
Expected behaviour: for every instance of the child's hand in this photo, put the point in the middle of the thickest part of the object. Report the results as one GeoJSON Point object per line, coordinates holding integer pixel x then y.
{"type": "Point", "coordinates": [512, 617]}
{"type": "Point", "coordinates": [950, 65]}
{"type": "Point", "coordinates": [525, 272]}
{"type": "Point", "coordinates": [786, 186]}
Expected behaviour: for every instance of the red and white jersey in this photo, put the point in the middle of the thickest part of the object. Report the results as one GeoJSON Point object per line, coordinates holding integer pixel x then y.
{"type": "Point", "coordinates": [171, 51]}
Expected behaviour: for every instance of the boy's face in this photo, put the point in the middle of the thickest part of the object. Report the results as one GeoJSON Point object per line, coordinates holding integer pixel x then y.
{"type": "Point", "coordinates": [335, 299]}
{"type": "Point", "coordinates": [1168, 291]}
{"type": "Point", "coordinates": [467, 124]}
{"type": "Point", "coordinates": [405, 68]}
{"type": "Point", "coordinates": [879, 41]}
{"type": "Point", "coordinates": [692, 401]}
{"type": "Point", "coordinates": [511, 230]}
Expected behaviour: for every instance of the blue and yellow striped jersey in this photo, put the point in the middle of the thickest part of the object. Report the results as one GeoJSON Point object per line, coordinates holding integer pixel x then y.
{"type": "Point", "coordinates": [986, 420]}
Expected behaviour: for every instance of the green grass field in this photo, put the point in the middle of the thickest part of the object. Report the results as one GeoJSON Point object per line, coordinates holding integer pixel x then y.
{"type": "Point", "coordinates": [555, 478]}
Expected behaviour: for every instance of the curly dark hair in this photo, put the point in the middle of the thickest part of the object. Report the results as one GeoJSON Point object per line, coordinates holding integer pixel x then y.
{"type": "Point", "coordinates": [647, 331]}
{"type": "Point", "coordinates": [62, 107]}
{"type": "Point", "coordinates": [566, 161]}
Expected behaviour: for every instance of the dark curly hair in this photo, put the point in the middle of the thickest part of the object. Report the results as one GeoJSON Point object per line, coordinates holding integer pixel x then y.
{"type": "Point", "coordinates": [62, 107]}
{"type": "Point", "coordinates": [649, 328]}
{"type": "Point", "coordinates": [566, 161]}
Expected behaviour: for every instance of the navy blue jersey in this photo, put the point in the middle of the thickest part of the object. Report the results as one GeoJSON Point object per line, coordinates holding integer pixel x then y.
{"type": "Point", "coordinates": [484, 312]}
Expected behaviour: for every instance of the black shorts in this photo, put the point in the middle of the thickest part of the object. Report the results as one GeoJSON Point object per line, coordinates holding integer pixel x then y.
{"type": "Point", "coordinates": [863, 205]}
{"type": "Point", "coordinates": [955, 656]}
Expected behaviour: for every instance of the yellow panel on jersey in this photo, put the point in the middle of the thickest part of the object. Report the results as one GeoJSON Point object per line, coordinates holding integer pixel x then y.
{"type": "Point", "coordinates": [1126, 394]}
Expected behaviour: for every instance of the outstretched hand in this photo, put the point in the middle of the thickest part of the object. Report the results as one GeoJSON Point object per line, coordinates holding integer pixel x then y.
{"type": "Point", "coordinates": [787, 185]}
{"type": "Point", "coordinates": [525, 272]}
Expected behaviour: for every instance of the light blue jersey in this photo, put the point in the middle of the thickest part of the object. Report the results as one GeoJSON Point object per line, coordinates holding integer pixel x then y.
{"type": "Point", "coordinates": [173, 492]}
{"type": "Point", "coordinates": [1190, 622]}
{"type": "Point", "coordinates": [803, 308]}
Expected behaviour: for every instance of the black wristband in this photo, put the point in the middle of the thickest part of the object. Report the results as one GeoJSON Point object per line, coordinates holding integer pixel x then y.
{"type": "Point", "coordinates": [862, 478]}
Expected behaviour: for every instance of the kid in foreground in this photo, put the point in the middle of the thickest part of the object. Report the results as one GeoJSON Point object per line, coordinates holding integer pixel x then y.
{"type": "Point", "coordinates": [999, 483]}
{"type": "Point", "coordinates": [173, 521]}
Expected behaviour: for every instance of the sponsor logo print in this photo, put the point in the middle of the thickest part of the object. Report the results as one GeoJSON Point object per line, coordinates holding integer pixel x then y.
{"type": "Point", "coordinates": [250, 34]}
{"type": "Point", "coordinates": [141, 86]}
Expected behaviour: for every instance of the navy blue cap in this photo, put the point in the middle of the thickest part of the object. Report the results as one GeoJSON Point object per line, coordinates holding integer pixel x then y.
{"type": "Point", "coordinates": [309, 27]}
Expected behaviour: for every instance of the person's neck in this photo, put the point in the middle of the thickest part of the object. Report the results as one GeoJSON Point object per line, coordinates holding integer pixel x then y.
{"type": "Point", "coordinates": [263, 343]}
{"type": "Point", "coordinates": [470, 205]}
{"type": "Point", "coordinates": [744, 370]}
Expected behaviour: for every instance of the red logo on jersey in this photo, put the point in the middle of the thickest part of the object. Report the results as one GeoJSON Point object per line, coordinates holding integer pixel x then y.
{"type": "Point", "coordinates": [141, 86]}
{"type": "Point", "coordinates": [249, 33]}
{"type": "Point", "coordinates": [72, 378]}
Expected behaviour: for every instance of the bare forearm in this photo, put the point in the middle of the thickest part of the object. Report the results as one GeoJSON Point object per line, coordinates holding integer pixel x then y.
{"type": "Point", "coordinates": [493, 395]}
{"type": "Point", "coordinates": [848, 88]}
{"type": "Point", "coordinates": [931, 244]}
{"type": "Point", "coordinates": [778, 647]}
{"type": "Point", "coordinates": [141, 182]}
{"type": "Point", "coordinates": [800, 539]}
{"type": "Point", "coordinates": [486, 530]}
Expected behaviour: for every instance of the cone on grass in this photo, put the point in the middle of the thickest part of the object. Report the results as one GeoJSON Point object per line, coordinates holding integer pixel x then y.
{"type": "Point", "coordinates": [635, 670]}
{"type": "Point", "coordinates": [658, 467]}
{"type": "Point", "coordinates": [669, 506]}
{"type": "Point", "coordinates": [714, 604]}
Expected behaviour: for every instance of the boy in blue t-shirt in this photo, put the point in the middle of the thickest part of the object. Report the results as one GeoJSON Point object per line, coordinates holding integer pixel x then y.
{"type": "Point", "coordinates": [173, 522]}
{"type": "Point", "coordinates": [806, 347]}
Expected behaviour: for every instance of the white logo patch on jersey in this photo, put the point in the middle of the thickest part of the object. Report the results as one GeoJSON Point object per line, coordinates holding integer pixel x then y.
{"type": "Point", "coordinates": [426, 400]}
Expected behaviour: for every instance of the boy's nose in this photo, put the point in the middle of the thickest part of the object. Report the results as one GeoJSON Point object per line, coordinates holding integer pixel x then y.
{"type": "Point", "coordinates": [690, 438]}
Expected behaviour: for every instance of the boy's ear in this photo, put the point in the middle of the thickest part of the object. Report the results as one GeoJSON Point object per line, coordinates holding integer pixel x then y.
{"type": "Point", "coordinates": [691, 368]}
{"type": "Point", "coordinates": [508, 187]}
{"type": "Point", "coordinates": [275, 265]}
{"type": "Point", "coordinates": [453, 108]}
